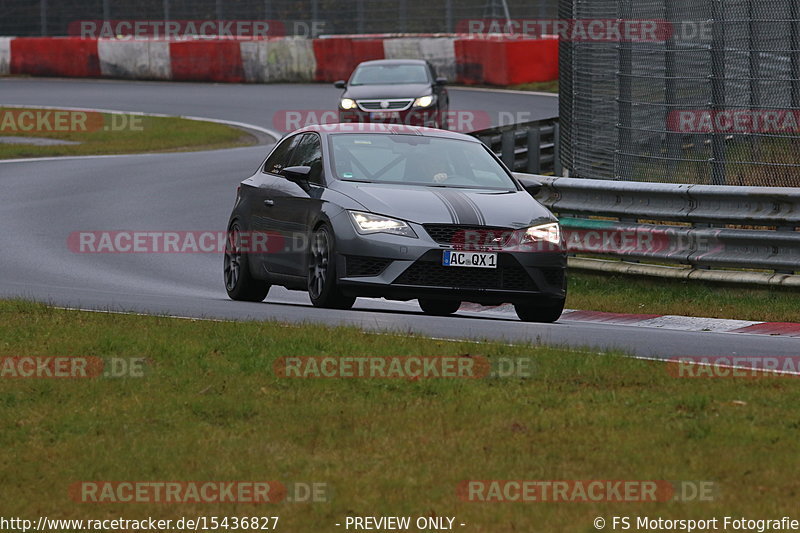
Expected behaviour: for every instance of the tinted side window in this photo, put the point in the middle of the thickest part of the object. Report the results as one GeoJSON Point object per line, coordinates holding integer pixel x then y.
{"type": "Point", "coordinates": [279, 159]}
{"type": "Point", "coordinates": [308, 153]}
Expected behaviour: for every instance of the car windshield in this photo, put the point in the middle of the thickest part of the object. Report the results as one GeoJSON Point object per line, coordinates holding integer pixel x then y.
{"type": "Point", "coordinates": [416, 160]}
{"type": "Point", "coordinates": [389, 74]}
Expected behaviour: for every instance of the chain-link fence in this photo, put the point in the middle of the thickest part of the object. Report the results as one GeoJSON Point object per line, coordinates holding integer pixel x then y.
{"type": "Point", "coordinates": [297, 17]}
{"type": "Point", "coordinates": [712, 96]}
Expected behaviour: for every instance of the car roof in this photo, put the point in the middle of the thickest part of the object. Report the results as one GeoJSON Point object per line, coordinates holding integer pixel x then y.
{"type": "Point", "coordinates": [394, 62]}
{"type": "Point", "coordinates": [384, 129]}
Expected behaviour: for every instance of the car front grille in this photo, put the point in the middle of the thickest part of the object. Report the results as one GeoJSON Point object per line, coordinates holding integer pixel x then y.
{"type": "Point", "coordinates": [473, 237]}
{"type": "Point", "coordinates": [391, 105]}
{"type": "Point", "coordinates": [358, 266]}
{"type": "Point", "coordinates": [429, 274]}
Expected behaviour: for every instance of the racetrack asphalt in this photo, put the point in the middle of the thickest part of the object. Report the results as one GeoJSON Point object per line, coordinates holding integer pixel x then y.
{"type": "Point", "coordinates": [43, 202]}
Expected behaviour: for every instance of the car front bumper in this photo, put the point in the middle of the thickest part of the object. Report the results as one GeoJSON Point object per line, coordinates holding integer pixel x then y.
{"type": "Point", "coordinates": [404, 268]}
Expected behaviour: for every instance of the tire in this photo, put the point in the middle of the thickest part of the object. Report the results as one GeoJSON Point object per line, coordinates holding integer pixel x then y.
{"type": "Point", "coordinates": [239, 282]}
{"type": "Point", "coordinates": [322, 287]}
{"type": "Point", "coordinates": [543, 312]}
{"type": "Point", "coordinates": [438, 307]}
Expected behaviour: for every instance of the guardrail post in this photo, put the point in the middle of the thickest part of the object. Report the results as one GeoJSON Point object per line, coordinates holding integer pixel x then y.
{"type": "Point", "coordinates": [557, 170]}
{"type": "Point", "coordinates": [534, 165]}
{"type": "Point", "coordinates": [507, 149]}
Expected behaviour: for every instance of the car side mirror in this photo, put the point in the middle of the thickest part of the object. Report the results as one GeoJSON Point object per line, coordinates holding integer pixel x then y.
{"type": "Point", "coordinates": [441, 81]}
{"type": "Point", "coordinates": [299, 174]}
{"type": "Point", "coordinates": [531, 185]}
{"type": "Point", "coordinates": [341, 84]}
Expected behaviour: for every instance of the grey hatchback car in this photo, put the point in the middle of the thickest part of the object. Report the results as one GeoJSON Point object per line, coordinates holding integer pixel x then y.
{"type": "Point", "coordinates": [399, 212]}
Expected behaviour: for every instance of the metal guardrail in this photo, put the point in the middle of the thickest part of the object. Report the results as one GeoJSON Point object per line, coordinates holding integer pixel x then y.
{"type": "Point", "coordinates": [698, 228]}
{"type": "Point", "coordinates": [531, 147]}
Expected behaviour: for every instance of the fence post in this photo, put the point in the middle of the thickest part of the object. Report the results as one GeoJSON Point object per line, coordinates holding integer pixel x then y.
{"type": "Point", "coordinates": [717, 89]}
{"type": "Point", "coordinates": [43, 16]}
{"type": "Point", "coordinates": [534, 165]}
{"type": "Point", "coordinates": [622, 165]}
{"type": "Point", "coordinates": [448, 16]}
{"type": "Point", "coordinates": [360, 16]}
{"type": "Point", "coordinates": [106, 11]}
{"type": "Point", "coordinates": [166, 10]}
{"type": "Point", "coordinates": [219, 10]}
{"type": "Point", "coordinates": [754, 71]}
{"type": "Point", "coordinates": [670, 91]}
{"type": "Point", "coordinates": [794, 40]}
{"type": "Point", "coordinates": [402, 15]}
{"type": "Point", "coordinates": [314, 19]}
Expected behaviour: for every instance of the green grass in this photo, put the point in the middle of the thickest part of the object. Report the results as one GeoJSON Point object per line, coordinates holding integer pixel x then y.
{"type": "Point", "coordinates": [102, 134]}
{"type": "Point", "coordinates": [211, 408]}
{"type": "Point", "coordinates": [630, 294]}
{"type": "Point", "coordinates": [538, 86]}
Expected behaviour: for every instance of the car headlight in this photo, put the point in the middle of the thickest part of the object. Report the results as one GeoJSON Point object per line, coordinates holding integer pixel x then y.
{"type": "Point", "coordinates": [424, 101]}
{"type": "Point", "coordinates": [545, 233]}
{"type": "Point", "coordinates": [541, 238]}
{"type": "Point", "coordinates": [347, 103]}
{"type": "Point", "coordinates": [367, 223]}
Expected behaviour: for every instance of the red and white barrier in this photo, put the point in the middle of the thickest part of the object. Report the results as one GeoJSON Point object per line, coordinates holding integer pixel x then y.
{"type": "Point", "coordinates": [484, 60]}
{"type": "Point", "coordinates": [498, 61]}
{"type": "Point", "coordinates": [148, 60]}
{"type": "Point", "coordinates": [278, 60]}
{"type": "Point", "coordinates": [441, 52]}
{"type": "Point", "coordinates": [58, 56]}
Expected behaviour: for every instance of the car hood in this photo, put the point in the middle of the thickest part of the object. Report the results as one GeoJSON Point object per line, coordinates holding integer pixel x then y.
{"type": "Point", "coordinates": [449, 205]}
{"type": "Point", "coordinates": [368, 92]}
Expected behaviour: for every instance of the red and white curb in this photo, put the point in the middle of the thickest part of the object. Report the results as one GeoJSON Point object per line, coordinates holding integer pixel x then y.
{"type": "Point", "coordinates": [672, 322]}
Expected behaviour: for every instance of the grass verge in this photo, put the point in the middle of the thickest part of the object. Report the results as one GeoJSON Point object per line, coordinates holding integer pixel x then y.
{"type": "Point", "coordinates": [211, 408]}
{"type": "Point", "coordinates": [106, 134]}
{"type": "Point", "coordinates": [630, 294]}
{"type": "Point", "coordinates": [538, 86]}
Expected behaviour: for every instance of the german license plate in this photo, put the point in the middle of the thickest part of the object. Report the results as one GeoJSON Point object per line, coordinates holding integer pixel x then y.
{"type": "Point", "coordinates": [469, 259]}
{"type": "Point", "coordinates": [384, 115]}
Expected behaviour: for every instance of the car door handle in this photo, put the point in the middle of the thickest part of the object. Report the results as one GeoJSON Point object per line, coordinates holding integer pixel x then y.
{"type": "Point", "coordinates": [269, 203]}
